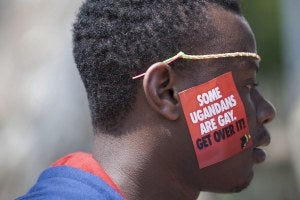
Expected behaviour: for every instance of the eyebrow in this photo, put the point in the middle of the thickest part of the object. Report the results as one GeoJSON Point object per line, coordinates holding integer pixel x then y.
{"type": "Point", "coordinates": [209, 56]}
{"type": "Point", "coordinates": [250, 65]}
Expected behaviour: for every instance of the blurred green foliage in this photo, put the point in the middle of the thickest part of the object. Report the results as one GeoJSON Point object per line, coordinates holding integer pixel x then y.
{"type": "Point", "coordinates": [264, 18]}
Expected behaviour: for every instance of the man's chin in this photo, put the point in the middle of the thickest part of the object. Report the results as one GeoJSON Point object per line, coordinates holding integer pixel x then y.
{"type": "Point", "coordinates": [235, 189]}
{"type": "Point", "coordinates": [237, 186]}
{"type": "Point", "coordinates": [241, 186]}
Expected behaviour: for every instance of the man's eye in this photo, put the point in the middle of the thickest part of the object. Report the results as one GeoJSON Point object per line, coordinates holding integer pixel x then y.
{"type": "Point", "coordinates": [251, 86]}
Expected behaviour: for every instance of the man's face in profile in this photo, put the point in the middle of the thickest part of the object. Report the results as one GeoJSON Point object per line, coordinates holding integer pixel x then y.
{"type": "Point", "coordinates": [235, 173]}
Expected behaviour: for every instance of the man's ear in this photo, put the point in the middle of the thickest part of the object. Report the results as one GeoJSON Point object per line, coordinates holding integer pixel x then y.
{"type": "Point", "coordinates": [160, 91]}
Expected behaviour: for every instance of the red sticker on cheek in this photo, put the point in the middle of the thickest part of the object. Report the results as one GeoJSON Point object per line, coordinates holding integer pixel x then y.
{"type": "Point", "coordinates": [216, 118]}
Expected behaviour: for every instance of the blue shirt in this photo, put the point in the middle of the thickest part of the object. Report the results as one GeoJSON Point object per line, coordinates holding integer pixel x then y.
{"type": "Point", "coordinates": [65, 182]}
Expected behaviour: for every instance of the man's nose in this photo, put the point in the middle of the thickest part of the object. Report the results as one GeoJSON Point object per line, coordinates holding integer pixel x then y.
{"type": "Point", "coordinates": [265, 111]}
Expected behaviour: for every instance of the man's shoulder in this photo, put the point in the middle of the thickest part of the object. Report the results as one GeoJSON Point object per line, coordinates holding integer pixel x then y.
{"type": "Point", "coordinates": [65, 182]}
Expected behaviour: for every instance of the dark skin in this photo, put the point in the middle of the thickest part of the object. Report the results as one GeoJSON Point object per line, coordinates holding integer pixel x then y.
{"type": "Point", "coordinates": [154, 158]}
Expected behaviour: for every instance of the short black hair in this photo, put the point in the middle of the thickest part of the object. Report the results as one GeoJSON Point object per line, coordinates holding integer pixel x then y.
{"type": "Point", "coordinates": [114, 40]}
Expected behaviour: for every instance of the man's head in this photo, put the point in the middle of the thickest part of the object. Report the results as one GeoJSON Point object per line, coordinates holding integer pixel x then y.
{"type": "Point", "coordinates": [115, 41]}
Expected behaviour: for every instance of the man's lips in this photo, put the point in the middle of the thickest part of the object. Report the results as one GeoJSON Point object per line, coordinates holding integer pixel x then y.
{"type": "Point", "coordinates": [259, 155]}
{"type": "Point", "coordinates": [264, 139]}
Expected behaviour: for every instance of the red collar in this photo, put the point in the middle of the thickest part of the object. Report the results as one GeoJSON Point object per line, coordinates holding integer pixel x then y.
{"type": "Point", "coordinates": [86, 162]}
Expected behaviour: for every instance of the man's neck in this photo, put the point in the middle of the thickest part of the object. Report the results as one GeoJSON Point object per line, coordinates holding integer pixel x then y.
{"type": "Point", "coordinates": [138, 168]}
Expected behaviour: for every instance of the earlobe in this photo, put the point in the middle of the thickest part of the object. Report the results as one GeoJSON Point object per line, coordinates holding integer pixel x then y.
{"type": "Point", "coordinates": [160, 90]}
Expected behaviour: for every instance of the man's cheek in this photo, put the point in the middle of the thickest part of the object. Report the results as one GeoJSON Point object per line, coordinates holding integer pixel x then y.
{"type": "Point", "coordinates": [217, 120]}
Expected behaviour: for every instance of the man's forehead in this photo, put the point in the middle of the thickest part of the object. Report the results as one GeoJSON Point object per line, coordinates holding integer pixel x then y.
{"type": "Point", "coordinates": [233, 32]}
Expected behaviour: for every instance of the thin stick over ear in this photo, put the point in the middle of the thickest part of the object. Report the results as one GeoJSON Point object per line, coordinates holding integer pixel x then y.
{"type": "Point", "coordinates": [160, 90]}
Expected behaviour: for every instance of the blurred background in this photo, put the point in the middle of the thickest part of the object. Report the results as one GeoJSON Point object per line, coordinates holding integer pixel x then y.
{"type": "Point", "coordinates": [44, 112]}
